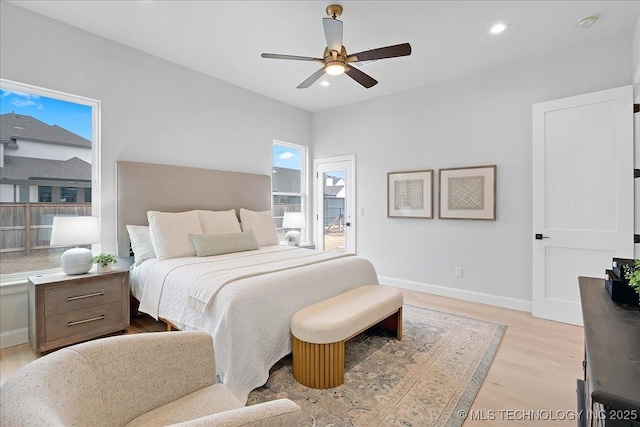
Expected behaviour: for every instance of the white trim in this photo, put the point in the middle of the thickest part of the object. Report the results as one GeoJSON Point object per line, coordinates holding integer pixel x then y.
{"type": "Point", "coordinates": [463, 294]}
{"type": "Point", "coordinates": [96, 169]}
{"type": "Point", "coordinates": [12, 288]}
{"type": "Point", "coordinates": [352, 199]}
{"type": "Point", "coordinates": [304, 184]}
{"type": "Point", "coordinates": [13, 338]}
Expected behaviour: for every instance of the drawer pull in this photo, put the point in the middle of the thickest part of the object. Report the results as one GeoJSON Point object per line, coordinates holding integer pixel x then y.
{"type": "Point", "coordinates": [93, 319]}
{"type": "Point", "coordinates": [95, 294]}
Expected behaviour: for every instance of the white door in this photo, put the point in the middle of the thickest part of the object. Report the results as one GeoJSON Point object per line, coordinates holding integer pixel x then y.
{"type": "Point", "coordinates": [335, 204]}
{"type": "Point", "coordinates": [582, 195]}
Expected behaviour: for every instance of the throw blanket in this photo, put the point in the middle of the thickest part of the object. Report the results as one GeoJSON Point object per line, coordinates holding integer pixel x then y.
{"type": "Point", "coordinates": [206, 276]}
{"type": "Point", "coordinates": [205, 287]}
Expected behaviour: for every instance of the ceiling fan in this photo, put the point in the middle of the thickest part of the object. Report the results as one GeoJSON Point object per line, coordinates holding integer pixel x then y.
{"type": "Point", "coordinates": [335, 59]}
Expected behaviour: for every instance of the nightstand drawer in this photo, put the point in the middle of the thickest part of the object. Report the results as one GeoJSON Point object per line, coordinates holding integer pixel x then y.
{"type": "Point", "coordinates": [86, 320]}
{"type": "Point", "coordinates": [71, 298]}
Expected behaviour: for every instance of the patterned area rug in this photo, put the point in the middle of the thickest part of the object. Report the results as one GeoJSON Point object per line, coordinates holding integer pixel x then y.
{"type": "Point", "coordinates": [423, 380]}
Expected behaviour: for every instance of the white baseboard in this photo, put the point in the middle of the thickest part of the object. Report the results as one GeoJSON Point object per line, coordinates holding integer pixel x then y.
{"type": "Point", "coordinates": [15, 337]}
{"type": "Point", "coordinates": [463, 294]}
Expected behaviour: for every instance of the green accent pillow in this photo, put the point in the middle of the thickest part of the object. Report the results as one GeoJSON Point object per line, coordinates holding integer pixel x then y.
{"type": "Point", "coordinates": [217, 244]}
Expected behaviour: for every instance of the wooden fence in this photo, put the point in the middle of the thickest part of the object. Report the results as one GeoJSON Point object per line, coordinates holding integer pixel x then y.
{"type": "Point", "coordinates": [27, 226]}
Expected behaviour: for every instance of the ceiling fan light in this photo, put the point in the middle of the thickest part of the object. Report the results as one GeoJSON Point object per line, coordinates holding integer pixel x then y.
{"type": "Point", "coordinates": [499, 27]}
{"type": "Point", "coordinates": [335, 68]}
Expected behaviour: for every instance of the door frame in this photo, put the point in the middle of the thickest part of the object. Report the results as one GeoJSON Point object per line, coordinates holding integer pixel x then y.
{"type": "Point", "coordinates": [351, 201]}
{"type": "Point", "coordinates": [542, 306]}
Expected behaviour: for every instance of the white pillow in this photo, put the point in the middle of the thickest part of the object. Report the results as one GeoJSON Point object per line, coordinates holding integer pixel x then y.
{"type": "Point", "coordinates": [219, 222]}
{"type": "Point", "coordinates": [262, 224]}
{"type": "Point", "coordinates": [140, 243]}
{"type": "Point", "coordinates": [170, 233]}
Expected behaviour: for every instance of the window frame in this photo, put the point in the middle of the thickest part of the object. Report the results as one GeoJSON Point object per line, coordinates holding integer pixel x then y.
{"type": "Point", "coordinates": [304, 183]}
{"type": "Point", "coordinates": [96, 149]}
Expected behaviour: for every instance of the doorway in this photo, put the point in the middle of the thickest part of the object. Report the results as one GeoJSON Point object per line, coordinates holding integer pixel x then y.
{"type": "Point", "coordinates": [335, 203]}
{"type": "Point", "coordinates": [582, 195]}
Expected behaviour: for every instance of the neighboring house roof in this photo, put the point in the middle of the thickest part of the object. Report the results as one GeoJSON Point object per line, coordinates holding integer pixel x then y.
{"type": "Point", "coordinates": [333, 190]}
{"type": "Point", "coordinates": [30, 169]}
{"type": "Point", "coordinates": [17, 126]}
{"type": "Point", "coordinates": [286, 180]}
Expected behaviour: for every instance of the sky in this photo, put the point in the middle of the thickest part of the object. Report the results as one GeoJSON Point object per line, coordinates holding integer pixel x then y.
{"type": "Point", "coordinates": [286, 157]}
{"type": "Point", "coordinates": [73, 117]}
{"type": "Point", "coordinates": [289, 157]}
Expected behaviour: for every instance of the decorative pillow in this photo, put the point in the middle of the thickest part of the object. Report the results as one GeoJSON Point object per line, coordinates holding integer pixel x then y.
{"type": "Point", "coordinates": [219, 222]}
{"type": "Point", "coordinates": [216, 244]}
{"type": "Point", "coordinates": [170, 233]}
{"type": "Point", "coordinates": [262, 224]}
{"type": "Point", "coordinates": [140, 243]}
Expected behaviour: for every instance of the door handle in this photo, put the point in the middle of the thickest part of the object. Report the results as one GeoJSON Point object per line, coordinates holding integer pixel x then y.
{"type": "Point", "coordinates": [540, 236]}
{"type": "Point", "coordinates": [348, 224]}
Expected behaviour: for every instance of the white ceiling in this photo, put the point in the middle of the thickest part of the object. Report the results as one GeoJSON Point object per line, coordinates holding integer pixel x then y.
{"type": "Point", "coordinates": [449, 38]}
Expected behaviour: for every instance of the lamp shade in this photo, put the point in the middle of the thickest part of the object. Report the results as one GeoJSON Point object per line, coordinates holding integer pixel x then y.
{"type": "Point", "coordinates": [72, 231]}
{"type": "Point", "coordinates": [75, 230]}
{"type": "Point", "coordinates": [293, 220]}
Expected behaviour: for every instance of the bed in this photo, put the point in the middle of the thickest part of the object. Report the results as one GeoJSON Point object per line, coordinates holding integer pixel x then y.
{"type": "Point", "coordinates": [245, 299]}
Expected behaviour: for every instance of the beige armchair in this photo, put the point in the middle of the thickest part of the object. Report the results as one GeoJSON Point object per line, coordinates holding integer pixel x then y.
{"type": "Point", "coordinates": [162, 378]}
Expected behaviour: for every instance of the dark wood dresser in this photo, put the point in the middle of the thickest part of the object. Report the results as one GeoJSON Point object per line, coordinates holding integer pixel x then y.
{"type": "Point", "coordinates": [609, 394]}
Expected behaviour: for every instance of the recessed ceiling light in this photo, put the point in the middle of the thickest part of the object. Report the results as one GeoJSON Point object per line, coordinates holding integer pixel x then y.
{"type": "Point", "coordinates": [587, 21]}
{"type": "Point", "coordinates": [324, 83]}
{"type": "Point", "coordinates": [499, 27]}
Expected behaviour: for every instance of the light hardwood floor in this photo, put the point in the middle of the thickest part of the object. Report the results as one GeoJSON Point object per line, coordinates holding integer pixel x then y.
{"type": "Point", "coordinates": [533, 374]}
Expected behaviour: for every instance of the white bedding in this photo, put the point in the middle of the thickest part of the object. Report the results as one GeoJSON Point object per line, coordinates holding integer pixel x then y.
{"type": "Point", "coordinates": [249, 318]}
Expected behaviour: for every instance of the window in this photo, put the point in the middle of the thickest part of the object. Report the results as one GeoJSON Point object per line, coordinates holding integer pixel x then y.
{"type": "Point", "coordinates": [24, 193]}
{"type": "Point", "coordinates": [48, 162]}
{"type": "Point", "coordinates": [288, 183]}
{"type": "Point", "coordinates": [68, 195]}
{"type": "Point", "coordinates": [44, 193]}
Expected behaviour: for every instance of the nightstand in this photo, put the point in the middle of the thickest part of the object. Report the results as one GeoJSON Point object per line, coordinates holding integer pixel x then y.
{"type": "Point", "coordinates": [307, 245]}
{"type": "Point", "coordinates": [65, 310]}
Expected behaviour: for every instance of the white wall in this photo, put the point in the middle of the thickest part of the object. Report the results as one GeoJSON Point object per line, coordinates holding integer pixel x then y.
{"type": "Point", "coordinates": [43, 150]}
{"type": "Point", "coordinates": [152, 110]}
{"type": "Point", "coordinates": [477, 120]}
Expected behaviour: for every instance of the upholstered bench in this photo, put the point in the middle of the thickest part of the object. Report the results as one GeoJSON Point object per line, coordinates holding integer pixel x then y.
{"type": "Point", "coordinates": [320, 331]}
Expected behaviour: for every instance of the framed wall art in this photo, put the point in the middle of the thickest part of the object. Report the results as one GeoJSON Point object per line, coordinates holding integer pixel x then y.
{"type": "Point", "coordinates": [468, 193]}
{"type": "Point", "coordinates": [409, 194]}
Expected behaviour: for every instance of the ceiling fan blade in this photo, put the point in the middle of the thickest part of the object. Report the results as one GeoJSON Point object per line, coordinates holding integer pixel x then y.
{"type": "Point", "coordinates": [403, 49]}
{"type": "Point", "coordinates": [333, 33]}
{"type": "Point", "coordinates": [312, 79]}
{"type": "Point", "coordinates": [362, 78]}
{"type": "Point", "coordinates": [292, 57]}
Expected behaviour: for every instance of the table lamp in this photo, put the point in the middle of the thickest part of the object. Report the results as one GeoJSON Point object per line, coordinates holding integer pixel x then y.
{"type": "Point", "coordinates": [293, 220]}
{"type": "Point", "coordinates": [75, 231]}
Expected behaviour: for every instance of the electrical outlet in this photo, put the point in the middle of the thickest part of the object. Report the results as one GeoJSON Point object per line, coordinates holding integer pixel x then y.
{"type": "Point", "coordinates": [458, 271]}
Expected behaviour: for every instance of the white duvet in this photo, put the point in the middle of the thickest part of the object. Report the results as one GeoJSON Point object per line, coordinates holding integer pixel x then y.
{"type": "Point", "coordinates": [247, 309]}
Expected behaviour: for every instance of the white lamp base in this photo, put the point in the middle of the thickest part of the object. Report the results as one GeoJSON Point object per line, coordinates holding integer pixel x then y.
{"type": "Point", "coordinates": [77, 261]}
{"type": "Point", "coordinates": [293, 236]}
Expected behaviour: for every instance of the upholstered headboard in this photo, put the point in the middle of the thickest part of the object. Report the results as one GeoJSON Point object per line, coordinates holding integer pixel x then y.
{"type": "Point", "coordinates": [141, 187]}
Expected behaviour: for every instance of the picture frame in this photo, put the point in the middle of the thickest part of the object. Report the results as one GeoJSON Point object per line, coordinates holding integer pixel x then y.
{"type": "Point", "coordinates": [468, 193]}
{"type": "Point", "coordinates": [410, 194]}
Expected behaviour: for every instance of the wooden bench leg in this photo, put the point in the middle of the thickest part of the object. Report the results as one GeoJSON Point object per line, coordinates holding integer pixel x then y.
{"type": "Point", "coordinates": [318, 365]}
{"type": "Point", "coordinates": [393, 323]}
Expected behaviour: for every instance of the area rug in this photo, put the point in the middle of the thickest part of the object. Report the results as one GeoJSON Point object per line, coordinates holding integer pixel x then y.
{"type": "Point", "coordinates": [424, 380]}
